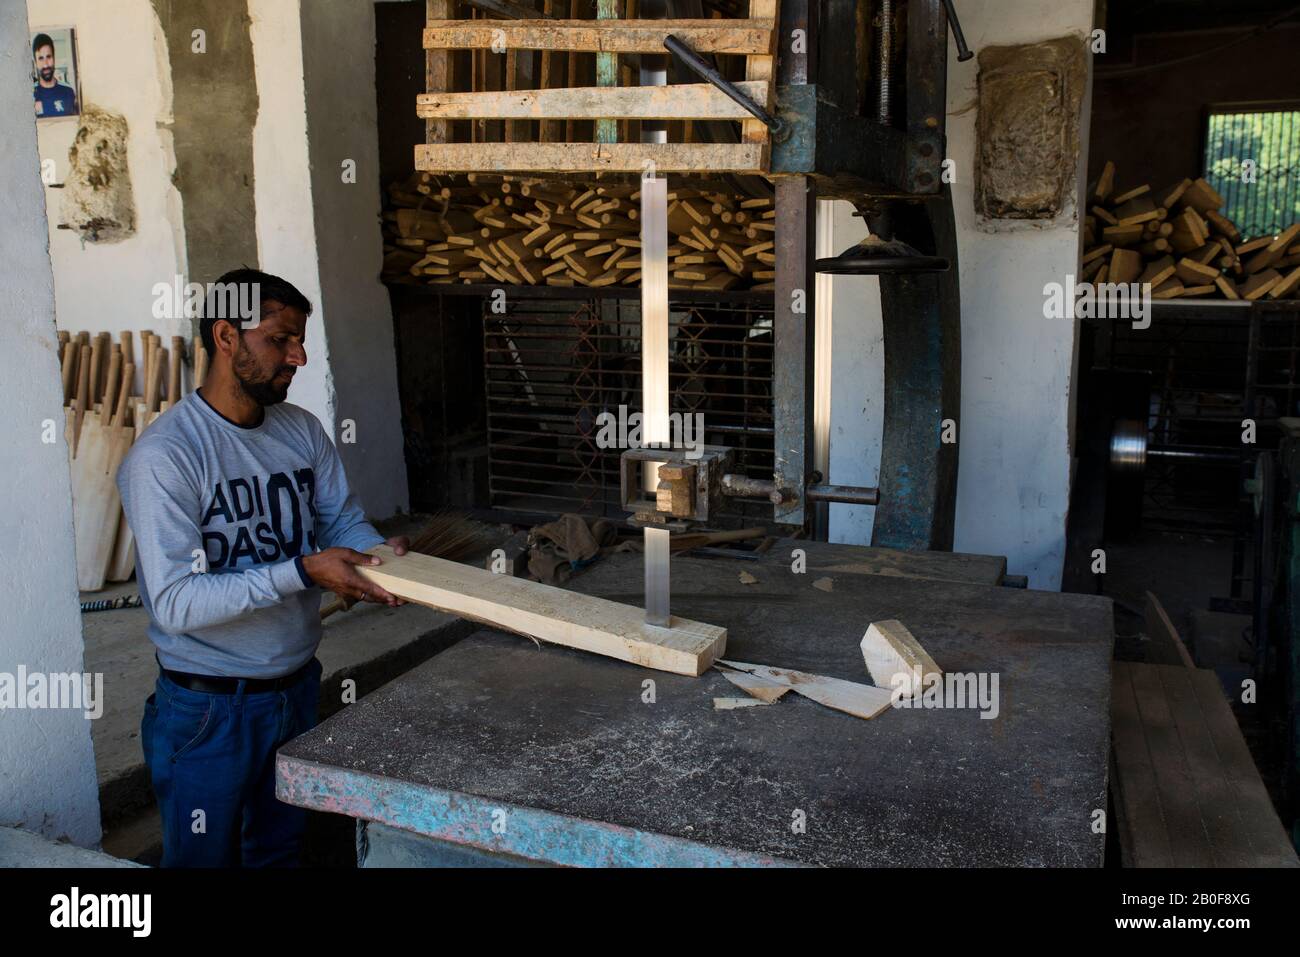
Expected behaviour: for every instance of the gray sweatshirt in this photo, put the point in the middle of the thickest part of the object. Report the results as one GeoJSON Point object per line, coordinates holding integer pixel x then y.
{"type": "Point", "coordinates": [221, 516]}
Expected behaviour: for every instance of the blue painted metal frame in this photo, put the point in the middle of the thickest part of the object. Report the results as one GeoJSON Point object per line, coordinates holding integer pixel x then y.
{"type": "Point", "coordinates": [471, 821]}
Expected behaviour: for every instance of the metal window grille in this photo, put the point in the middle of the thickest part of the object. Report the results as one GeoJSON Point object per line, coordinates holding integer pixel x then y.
{"type": "Point", "coordinates": [552, 366]}
{"type": "Point", "coordinates": [1252, 158]}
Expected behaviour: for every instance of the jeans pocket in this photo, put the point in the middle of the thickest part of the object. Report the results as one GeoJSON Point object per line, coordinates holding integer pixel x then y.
{"type": "Point", "coordinates": [187, 729]}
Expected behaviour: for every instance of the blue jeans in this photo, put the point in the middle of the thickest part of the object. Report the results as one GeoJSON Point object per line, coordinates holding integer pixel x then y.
{"type": "Point", "coordinates": [212, 760]}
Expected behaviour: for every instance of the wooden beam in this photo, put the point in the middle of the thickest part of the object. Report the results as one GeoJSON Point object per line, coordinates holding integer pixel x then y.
{"type": "Point", "coordinates": [753, 36]}
{"type": "Point", "coordinates": [603, 157]}
{"type": "Point", "coordinates": [437, 69]}
{"type": "Point", "coordinates": [760, 68]}
{"type": "Point", "coordinates": [688, 100]}
{"type": "Point", "coordinates": [547, 613]}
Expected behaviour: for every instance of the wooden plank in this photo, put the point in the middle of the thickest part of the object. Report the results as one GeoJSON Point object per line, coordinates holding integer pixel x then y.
{"type": "Point", "coordinates": [746, 37]}
{"type": "Point", "coordinates": [763, 689]}
{"type": "Point", "coordinates": [861, 701]}
{"type": "Point", "coordinates": [1260, 823]}
{"type": "Point", "coordinates": [889, 649]}
{"type": "Point", "coordinates": [603, 157]}
{"type": "Point", "coordinates": [547, 613]}
{"type": "Point", "coordinates": [1214, 795]}
{"type": "Point", "coordinates": [1144, 839]}
{"type": "Point", "coordinates": [760, 68]}
{"type": "Point", "coordinates": [687, 100]}
{"type": "Point", "coordinates": [1188, 843]}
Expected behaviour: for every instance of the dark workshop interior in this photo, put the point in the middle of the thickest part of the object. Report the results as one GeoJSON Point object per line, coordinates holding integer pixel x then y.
{"type": "Point", "coordinates": [787, 433]}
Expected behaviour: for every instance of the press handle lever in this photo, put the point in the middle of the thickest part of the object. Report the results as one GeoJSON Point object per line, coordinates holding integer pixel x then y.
{"type": "Point", "coordinates": [701, 68]}
{"type": "Point", "coordinates": [963, 51]}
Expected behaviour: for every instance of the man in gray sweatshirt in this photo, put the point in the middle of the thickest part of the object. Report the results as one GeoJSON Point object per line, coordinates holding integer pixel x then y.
{"type": "Point", "coordinates": [241, 514]}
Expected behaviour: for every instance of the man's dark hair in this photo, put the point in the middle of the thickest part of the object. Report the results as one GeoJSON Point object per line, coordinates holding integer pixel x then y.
{"type": "Point", "coordinates": [42, 40]}
{"type": "Point", "coordinates": [270, 289]}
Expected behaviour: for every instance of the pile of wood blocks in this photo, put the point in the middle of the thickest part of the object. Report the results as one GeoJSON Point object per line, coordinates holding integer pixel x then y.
{"type": "Point", "coordinates": [483, 228]}
{"type": "Point", "coordinates": [103, 416]}
{"type": "Point", "coordinates": [1177, 241]}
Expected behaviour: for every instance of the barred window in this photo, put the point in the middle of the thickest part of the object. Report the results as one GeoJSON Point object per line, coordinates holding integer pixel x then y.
{"type": "Point", "coordinates": [1251, 156]}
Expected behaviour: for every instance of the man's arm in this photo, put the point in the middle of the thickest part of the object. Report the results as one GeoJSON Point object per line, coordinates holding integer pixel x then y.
{"type": "Point", "coordinates": [162, 505]}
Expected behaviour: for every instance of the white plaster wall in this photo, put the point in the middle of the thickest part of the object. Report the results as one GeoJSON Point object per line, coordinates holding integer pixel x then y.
{"type": "Point", "coordinates": [1014, 435]}
{"type": "Point", "coordinates": [47, 766]}
{"type": "Point", "coordinates": [123, 67]}
{"type": "Point", "coordinates": [286, 226]}
{"type": "Point", "coordinates": [342, 119]}
{"type": "Point", "coordinates": [1015, 430]}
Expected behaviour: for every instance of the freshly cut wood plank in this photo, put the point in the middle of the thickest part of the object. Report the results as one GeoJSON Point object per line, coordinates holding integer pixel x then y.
{"type": "Point", "coordinates": [683, 101]}
{"type": "Point", "coordinates": [547, 613]}
{"type": "Point", "coordinates": [731, 704]}
{"type": "Point", "coordinates": [862, 701]}
{"type": "Point", "coordinates": [603, 36]}
{"type": "Point", "coordinates": [605, 157]}
{"type": "Point", "coordinates": [889, 649]}
{"type": "Point", "coordinates": [763, 689]}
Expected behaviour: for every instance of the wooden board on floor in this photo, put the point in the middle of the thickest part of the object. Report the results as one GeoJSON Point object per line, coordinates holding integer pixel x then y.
{"type": "Point", "coordinates": [548, 613]}
{"type": "Point", "coordinates": [1187, 793]}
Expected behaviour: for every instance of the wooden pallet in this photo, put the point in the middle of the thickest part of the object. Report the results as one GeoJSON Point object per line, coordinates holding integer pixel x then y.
{"type": "Point", "coordinates": [557, 108]}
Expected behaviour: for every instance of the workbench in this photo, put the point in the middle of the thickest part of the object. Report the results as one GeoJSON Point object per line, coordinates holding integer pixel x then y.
{"type": "Point", "coordinates": [499, 750]}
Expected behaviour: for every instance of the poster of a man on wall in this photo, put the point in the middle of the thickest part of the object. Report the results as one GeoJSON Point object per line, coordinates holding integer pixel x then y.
{"type": "Point", "coordinates": [54, 73]}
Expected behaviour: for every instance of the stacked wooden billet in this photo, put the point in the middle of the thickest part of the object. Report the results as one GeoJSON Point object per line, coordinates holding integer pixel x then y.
{"type": "Point", "coordinates": [102, 417]}
{"type": "Point", "coordinates": [492, 228]}
{"type": "Point", "coordinates": [1177, 240]}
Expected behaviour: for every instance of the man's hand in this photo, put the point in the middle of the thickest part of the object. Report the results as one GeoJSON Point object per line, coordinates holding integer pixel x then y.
{"type": "Point", "coordinates": [333, 569]}
{"type": "Point", "coordinates": [401, 544]}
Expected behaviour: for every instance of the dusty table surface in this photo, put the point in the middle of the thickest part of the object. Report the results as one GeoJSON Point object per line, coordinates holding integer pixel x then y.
{"type": "Point", "coordinates": [558, 755]}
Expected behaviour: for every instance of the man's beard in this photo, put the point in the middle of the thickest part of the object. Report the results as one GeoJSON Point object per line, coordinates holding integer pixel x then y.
{"type": "Point", "coordinates": [47, 74]}
{"type": "Point", "coordinates": [262, 389]}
